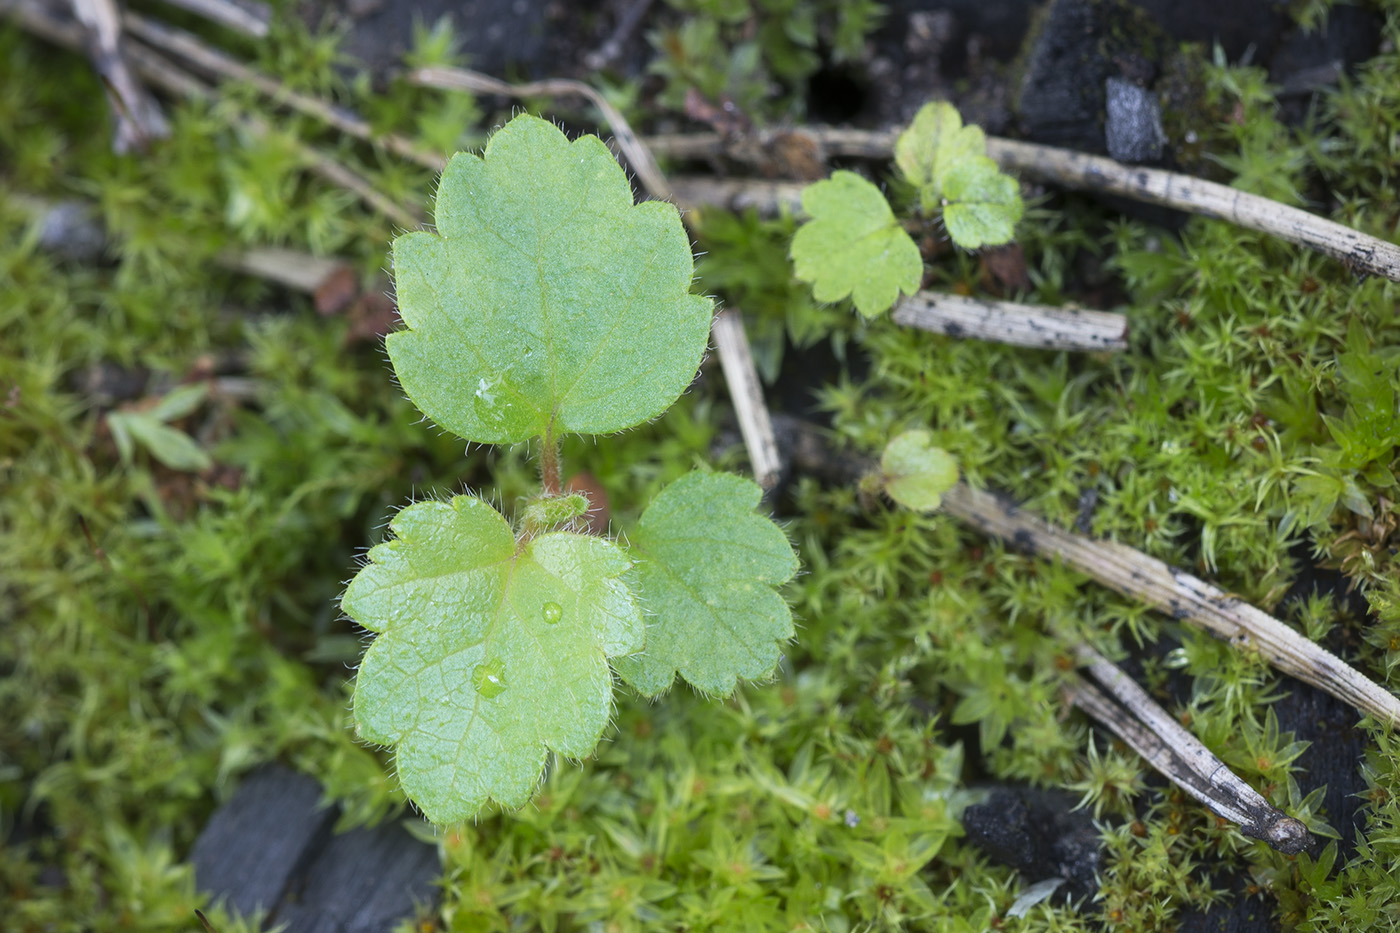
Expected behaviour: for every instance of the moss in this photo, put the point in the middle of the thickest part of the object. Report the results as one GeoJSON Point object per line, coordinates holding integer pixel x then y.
{"type": "Point", "coordinates": [167, 631]}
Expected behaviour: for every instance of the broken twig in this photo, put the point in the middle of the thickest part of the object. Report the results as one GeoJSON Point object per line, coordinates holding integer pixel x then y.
{"type": "Point", "coordinates": [747, 396]}
{"type": "Point", "coordinates": [768, 198]}
{"type": "Point", "coordinates": [246, 16]}
{"type": "Point", "coordinates": [637, 155]}
{"type": "Point", "coordinates": [36, 17]}
{"type": "Point", "coordinates": [214, 62]}
{"type": "Point", "coordinates": [137, 115]}
{"type": "Point", "coordinates": [1186, 598]}
{"type": "Point", "coordinates": [1072, 169]}
{"type": "Point", "coordinates": [1008, 322]}
{"type": "Point", "coordinates": [1179, 756]}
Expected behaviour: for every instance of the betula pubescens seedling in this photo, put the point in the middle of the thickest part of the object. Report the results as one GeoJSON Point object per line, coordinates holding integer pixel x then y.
{"type": "Point", "coordinates": [547, 303]}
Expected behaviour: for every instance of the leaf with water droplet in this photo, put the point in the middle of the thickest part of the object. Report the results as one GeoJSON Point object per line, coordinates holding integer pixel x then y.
{"type": "Point", "coordinates": [915, 472]}
{"type": "Point", "coordinates": [707, 568]}
{"type": "Point", "coordinates": [529, 306]}
{"type": "Point", "coordinates": [854, 246]}
{"type": "Point", "coordinates": [461, 611]}
{"type": "Point", "coordinates": [552, 613]}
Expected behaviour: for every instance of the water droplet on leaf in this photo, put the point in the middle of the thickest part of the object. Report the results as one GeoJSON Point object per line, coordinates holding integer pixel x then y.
{"type": "Point", "coordinates": [553, 612]}
{"type": "Point", "coordinates": [485, 401]}
{"type": "Point", "coordinates": [489, 678]}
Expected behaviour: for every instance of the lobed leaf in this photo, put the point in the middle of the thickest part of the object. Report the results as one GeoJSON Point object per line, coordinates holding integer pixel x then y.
{"type": "Point", "coordinates": [546, 299]}
{"type": "Point", "coordinates": [934, 141]}
{"type": "Point", "coordinates": [853, 245]}
{"type": "Point", "coordinates": [980, 204]}
{"type": "Point", "coordinates": [707, 566]}
{"type": "Point", "coordinates": [490, 653]}
{"type": "Point", "coordinates": [916, 473]}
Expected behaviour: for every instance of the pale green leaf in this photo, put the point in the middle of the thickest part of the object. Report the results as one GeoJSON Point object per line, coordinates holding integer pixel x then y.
{"type": "Point", "coordinates": [935, 141]}
{"type": "Point", "coordinates": [490, 653]}
{"type": "Point", "coordinates": [916, 473]}
{"type": "Point", "coordinates": [981, 205]}
{"type": "Point", "coordinates": [170, 446]}
{"type": "Point", "coordinates": [526, 310]}
{"type": "Point", "coordinates": [179, 402]}
{"type": "Point", "coordinates": [854, 246]}
{"type": "Point", "coordinates": [707, 565]}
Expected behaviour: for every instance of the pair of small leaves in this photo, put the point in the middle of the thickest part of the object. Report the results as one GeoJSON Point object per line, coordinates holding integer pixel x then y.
{"type": "Point", "coordinates": [546, 303]}
{"type": "Point", "coordinates": [492, 652]}
{"type": "Point", "coordinates": [854, 246]}
{"type": "Point", "coordinates": [151, 429]}
{"type": "Point", "coordinates": [948, 163]}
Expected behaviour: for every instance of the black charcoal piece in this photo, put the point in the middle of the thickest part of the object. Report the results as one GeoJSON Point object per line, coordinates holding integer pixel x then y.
{"type": "Point", "coordinates": [364, 881]}
{"type": "Point", "coordinates": [253, 845]}
{"type": "Point", "coordinates": [1040, 834]}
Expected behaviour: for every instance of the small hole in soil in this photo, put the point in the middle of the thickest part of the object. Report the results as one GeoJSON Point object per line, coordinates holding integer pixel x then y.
{"type": "Point", "coordinates": [835, 94]}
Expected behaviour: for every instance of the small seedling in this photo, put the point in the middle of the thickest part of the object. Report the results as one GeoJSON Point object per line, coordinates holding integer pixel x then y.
{"type": "Point", "coordinates": [853, 245]}
{"type": "Point", "coordinates": [915, 473]}
{"type": "Point", "coordinates": [549, 303]}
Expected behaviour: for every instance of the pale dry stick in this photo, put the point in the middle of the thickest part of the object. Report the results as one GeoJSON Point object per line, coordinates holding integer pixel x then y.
{"type": "Point", "coordinates": [603, 56]}
{"type": "Point", "coordinates": [768, 198]}
{"type": "Point", "coordinates": [1072, 169]}
{"type": "Point", "coordinates": [1021, 325]}
{"type": "Point", "coordinates": [1185, 597]}
{"type": "Point", "coordinates": [1357, 250]}
{"type": "Point", "coordinates": [731, 342]}
{"type": "Point", "coordinates": [246, 16]}
{"type": "Point", "coordinates": [299, 271]}
{"type": "Point", "coordinates": [742, 378]}
{"type": "Point", "coordinates": [462, 79]}
{"type": "Point", "coordinates": [36, 17]}
{"type": "Point", "coordinates": [1179, 756]}
{"type": "Point", "coordinates": [137, 115]}
{"type": "Point", "coordinates": [206, 58]}
{"type": "Point", "coordinates": [162, 72]}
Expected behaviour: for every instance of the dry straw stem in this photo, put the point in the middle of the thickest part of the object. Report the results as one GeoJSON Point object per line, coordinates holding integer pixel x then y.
{"type": "Point", "coordinates": [768, 198]}
{"type": "Point", "coordinates": [1186, 598]}
{"type": "Point", "coordinates": [246, 16]}
{"type": "Point", "coordinates": [1071, 169]}
{"type": "Point", "coordinates": [289, 268]}
{"type": "Point", "coordinates": [136, 114]}
{"type": "Point", "coordinates": [742, 379]}
{"type": "Point", "coordinates": [1132, 715]}
{"type": "Point", "coordinates": [1023, 325]}
{"type": "Point", "coordinates": [38, 18]}
{"type": "Point", "coordinates": [637, 155]}
{"type": "Point", "coordinates": [732, 343]}
{"type": "Point", "coordinates": [210, 60]}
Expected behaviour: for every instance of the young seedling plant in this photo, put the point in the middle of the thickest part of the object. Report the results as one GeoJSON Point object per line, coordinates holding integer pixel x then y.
{"type": "Point", "coordinates": [548, 303]}
{"type": "Point", "coordinates": [853, 245]}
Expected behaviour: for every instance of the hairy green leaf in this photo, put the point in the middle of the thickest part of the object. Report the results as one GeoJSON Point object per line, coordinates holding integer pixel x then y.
{"type": "Point", "coordinates": [524, 311]}
{"type": "Point", "coordinates": [854, 246]}
{"type": "Point", "coordinates": [935, 141]}
{"type": "Point", "coordinates": [490, 652]}
{"type": "Point", "coordinates": [916, 473]}
{"type": "Point", "coordinates": [707, 565]}
{"type": "Point", "coordinates": [980, 204]}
